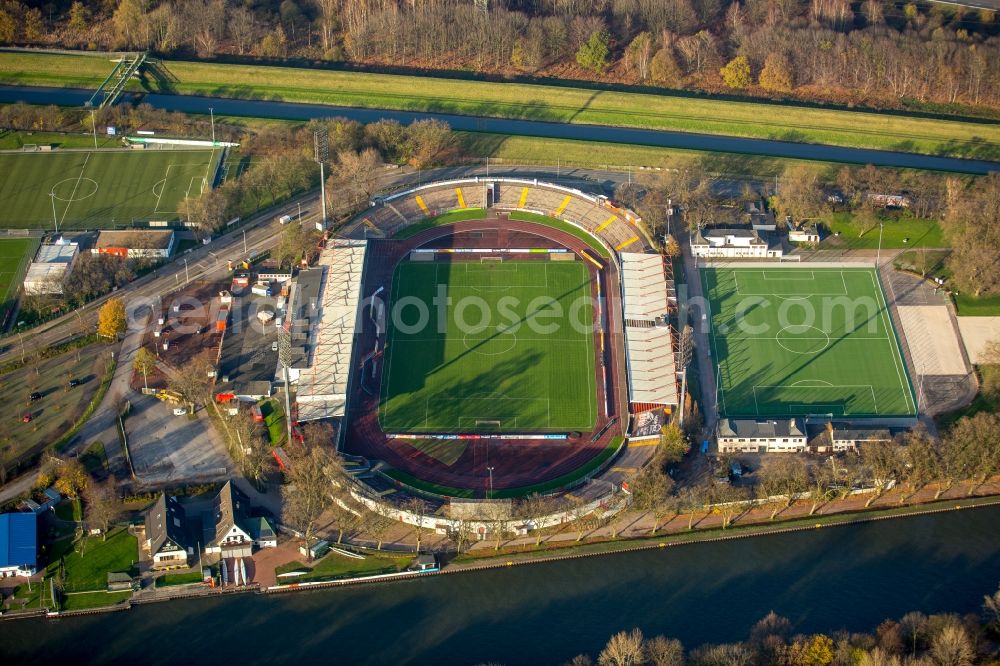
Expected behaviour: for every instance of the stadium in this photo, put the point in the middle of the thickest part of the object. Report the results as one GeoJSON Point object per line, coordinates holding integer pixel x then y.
{"type": "Point", "coordinates": [492, 338]}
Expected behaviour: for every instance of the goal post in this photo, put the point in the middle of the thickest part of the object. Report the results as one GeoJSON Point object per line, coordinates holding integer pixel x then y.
{"type": "Point", "coordinates": [491, 260]}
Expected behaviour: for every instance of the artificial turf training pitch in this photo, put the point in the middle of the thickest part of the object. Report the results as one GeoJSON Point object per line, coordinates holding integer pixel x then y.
{"type": "Point", "coordinates": [814, 342]}
{"type": "Point", "coordinates": [15, 255]}
{"type": "Point", "coordinates": [100, 188]}
{"type": "Point", "coordinates": [523, 368]}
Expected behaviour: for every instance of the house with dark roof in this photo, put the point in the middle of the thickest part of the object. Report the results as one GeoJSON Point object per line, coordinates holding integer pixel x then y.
{"type": "Point", "coordinates": [846, 437]}
{"type": "Point", "coordinates": [166, 535]}
{"type": "Point", "coordinates": [761, 436]}
{"type": "Point", "coordinates": [230, 530]}
{"type": "Point", "coordinates": [18, 544]}
{"type": "Point", "coordinates": [136, 243]}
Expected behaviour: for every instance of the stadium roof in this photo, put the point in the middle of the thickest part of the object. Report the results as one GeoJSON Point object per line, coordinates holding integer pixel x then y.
{"type": "Point", "coordinates": [645, 286]}
{"type": "Point", "coordinates": [322, 388]}
{"type": "Point", "coordinates": [18, 540]}
{"type": "Point", "coordinates": [651, 374]}
{"type": "Point", "coordinates": [59, 253]}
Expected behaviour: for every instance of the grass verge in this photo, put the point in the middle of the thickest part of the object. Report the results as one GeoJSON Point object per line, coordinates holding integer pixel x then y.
{"type": "Point", "coordinates": [88, 600]}
{"type": "Point", "coordinates": [335, 566]}
{"type": "Point", "coordinates": [526, 101]}
{"type": "Point", "coordinates": [439, 220]}
{"type": "Point", "coordinates": [88, 563]}
{"type": "Point", "coordinates": [167, 580]}
{"type": "Point", "coordinates": [571, 229]}
{"type": "Point", "coordinates": [898, 232]}
{"type": "Point", "coordinates": [970, 306]}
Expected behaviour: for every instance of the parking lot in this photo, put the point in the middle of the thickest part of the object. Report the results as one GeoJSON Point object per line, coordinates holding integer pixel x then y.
{"type": "Point", "coordinates": [166, 448]}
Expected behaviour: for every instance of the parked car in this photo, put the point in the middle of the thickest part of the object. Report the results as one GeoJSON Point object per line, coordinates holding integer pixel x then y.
{"type": "Point", "coordinates": [27, 418]}
{"type": "Point", "coordinates": [285, 219]}
{"type": "Point", "coordinates": [274, 346]}
{"type": "Point", "coordinates": [180, 411]}
{"type": "Point", "coordinates": [35, 396]}
{"type": "Point", "coordinates": [74, 382]}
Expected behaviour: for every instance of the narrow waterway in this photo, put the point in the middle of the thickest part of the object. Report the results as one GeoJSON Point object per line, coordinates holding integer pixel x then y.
{"type": "Point", "coordinates": [536, 128]}
{"type": "Point", "coordinates": [837, 577]}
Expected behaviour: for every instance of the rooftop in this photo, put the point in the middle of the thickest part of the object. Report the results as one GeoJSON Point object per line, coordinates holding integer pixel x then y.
{"type": "Point", "coordinates": [18, 540]}
{"type": "Point", "coordinates": [60, 253]}
{"type": "Point", "coordinates": [743, 428]}
{"type": "Point", "coordinates": [135, 239]}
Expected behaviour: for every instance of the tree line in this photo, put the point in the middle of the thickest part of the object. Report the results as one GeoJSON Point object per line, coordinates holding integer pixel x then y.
{"type": "Point", "coordinates": [915, 639]}
{"type": "Point", "coordinates": [873, 52]}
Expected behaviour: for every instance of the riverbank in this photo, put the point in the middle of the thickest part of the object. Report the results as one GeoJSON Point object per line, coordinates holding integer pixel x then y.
{"type": "Point", "coordinates": [822, 580]}
{"type": "Point", "coordinates": [555, 104]}
{"type": "Point", "coordinates": [513, 556]}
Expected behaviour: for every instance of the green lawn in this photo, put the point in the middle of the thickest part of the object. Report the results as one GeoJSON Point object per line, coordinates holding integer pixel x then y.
{"type": "Point", "coordinates": [565, 479]}
{"type": "Point", "coordinates": [571, 229]}
{"type": "Point", "coordinates": [95, 189]}
{"type": "Point", "coordinates": [15, 255]}
{"type": "Point", "coordinates": [446, 451]}
{"type": "Point", "coordinates": [898, 232]}
{"type": "Point", "coordinates": [15, 140]}
{"type": "Point", "coordinates": [87, 600]}
{"type": "Point", "coordinates": [89, 570]}
{"type": "Point", "coordinates": [529, 101]}
{"type": "Point", "coordinates": [426, 486]}
{"type": "Point", "coordinates": [798, 341]}
{"type": "Point", "coordinates": [970, 306]}
{"type": "Point", "coordinates": [274, 421]}
{"type": "Point", "coordinates": [440, 220]}
{"type": "Point", "coordinates": [167, 580]}
{"type": "Point", "coordinates": [507, 357]}
{"type": "Point", "coordinates": [69, 510]}
{"type": "Point", "coordinates": [335, 566]}
{"type": "Point", "coordinates": [923, 262]}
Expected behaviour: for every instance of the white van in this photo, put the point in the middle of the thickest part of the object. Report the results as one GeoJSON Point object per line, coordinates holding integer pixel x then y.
{"type": "Point", "coordinates": [285, 219]}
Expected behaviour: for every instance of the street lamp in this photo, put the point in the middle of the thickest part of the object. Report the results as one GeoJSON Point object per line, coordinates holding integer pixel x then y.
{"type": "Point", "coordinates": [211, 112]}
{"type": "Point", "coordinates": [878, 252]}
{"type": "Point", "coordinates": [491, 480]}
{"type": "Point", "coordinates": [55, 219]}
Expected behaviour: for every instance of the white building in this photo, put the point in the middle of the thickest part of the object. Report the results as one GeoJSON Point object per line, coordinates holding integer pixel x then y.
{"type": "Point", "coordinates": [52, 264]}
{"type": "Point", "coordinates": [733, 244]}
{"type": "Point", "coordinates": [761, 436]}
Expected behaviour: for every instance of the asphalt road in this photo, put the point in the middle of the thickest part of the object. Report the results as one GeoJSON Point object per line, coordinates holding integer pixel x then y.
{"type": "Point", "coordinates": [659, 138]}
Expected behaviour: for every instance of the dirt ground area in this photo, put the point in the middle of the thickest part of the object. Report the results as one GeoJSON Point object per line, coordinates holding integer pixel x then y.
{"type": "Point", "coordinates": [188, 323]}
{"type": "Point", "coordinates": [59, 406]}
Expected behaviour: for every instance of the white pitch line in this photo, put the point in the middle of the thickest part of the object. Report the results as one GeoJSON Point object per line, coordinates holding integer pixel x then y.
{"type": "Point", "coordinates": [72, 197]}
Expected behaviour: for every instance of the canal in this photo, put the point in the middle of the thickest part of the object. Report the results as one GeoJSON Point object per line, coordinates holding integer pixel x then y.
{"type": "Point", "coordinates": [849, 577]}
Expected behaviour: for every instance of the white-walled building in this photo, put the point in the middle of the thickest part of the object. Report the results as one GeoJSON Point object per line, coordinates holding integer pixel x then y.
{"type": "Point", "coordinates": [761, 436]}
{"type": "Point", "coordinates": [52, 264]}
{"type": "Point", "coordinates": [733, 244]}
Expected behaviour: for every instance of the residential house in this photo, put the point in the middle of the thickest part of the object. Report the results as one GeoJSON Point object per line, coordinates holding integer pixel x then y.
{"type": "Point", "coordinates": [759, 217]}
{"type": "Point", "coordinates": [230, 530]}
{"type": "Point", "coordinates": [18, 544]}
{"type": "Point", "coordinates": [761, 436]}
{"type": "Point", "coordinates": [136, 244]}
{"type": "Point", "coordinates": [166, 538]}
{"type": "Point", "coordinates": [736, 244]}
{"type": "Point", "coordinates": [848, 438]}
{"type": "Point", "coordinates": [803, 232]}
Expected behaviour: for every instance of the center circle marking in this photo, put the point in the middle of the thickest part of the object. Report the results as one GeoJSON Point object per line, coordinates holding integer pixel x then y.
{"type": "Point", "coordinates": [802, 339]}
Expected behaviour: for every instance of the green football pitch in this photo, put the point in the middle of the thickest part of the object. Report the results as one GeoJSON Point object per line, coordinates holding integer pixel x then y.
{"type": "Point", "coordinates": [15, 255]}
{"type": "Point", "coordinates": [800, 342]}
{"type": "Point", "coordinates": [511, 351]}
{"type": "Point", "coordinates": [100, 188]}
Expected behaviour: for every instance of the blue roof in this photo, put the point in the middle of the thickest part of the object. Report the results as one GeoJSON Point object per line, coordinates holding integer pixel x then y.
{"type": "Point", "coordinates": [18, 540]}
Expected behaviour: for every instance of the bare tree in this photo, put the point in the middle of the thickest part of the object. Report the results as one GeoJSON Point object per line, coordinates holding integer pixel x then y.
{"type": "Point", "coordinates": [193, 381]}
{"type": "Point", "coordinates": [312, 480]}
{"type": "Point", "coordinates": [418, 508]}
{"type": "Point", "coordinates": [882, 459]}
{"type": "Point", "coordinates": [623, 649]}
{"type": "Point", "coordinates": [102, 506]}
{"type": "Point", "coordinates": [532, 509]}
{"type": "Point", "coordinates": [661, 651]}
{"type": "Point", "coordinates": [952, 646]}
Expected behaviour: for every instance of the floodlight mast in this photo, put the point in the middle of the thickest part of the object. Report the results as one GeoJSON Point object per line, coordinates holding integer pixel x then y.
{"type": "Point", "coordinates": [284, 356]}
{"type": "Point", "coordinates": [321, 153]}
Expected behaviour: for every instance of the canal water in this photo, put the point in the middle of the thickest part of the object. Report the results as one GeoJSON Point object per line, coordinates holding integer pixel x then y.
{"type": "Point", "coordinates": [849, 577]}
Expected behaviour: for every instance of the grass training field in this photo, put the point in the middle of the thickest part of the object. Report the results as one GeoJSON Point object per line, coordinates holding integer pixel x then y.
{"type": "Point", "coordinates": [517, 364]}
{"type": "Point", "coordinates": [15, 255]}
{"type": "Point", "coordinates": [556, 103]}
{"type": "Point", "coordinates": [99, 189]}
{"type": "Point", "coordinates": [798, 341]}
